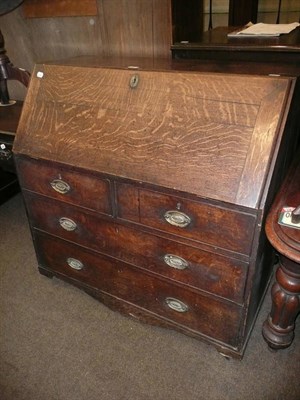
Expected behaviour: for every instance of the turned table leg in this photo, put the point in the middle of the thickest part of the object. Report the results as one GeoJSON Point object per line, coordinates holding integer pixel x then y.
{"type": "Point", "coordinates": [278, 329]}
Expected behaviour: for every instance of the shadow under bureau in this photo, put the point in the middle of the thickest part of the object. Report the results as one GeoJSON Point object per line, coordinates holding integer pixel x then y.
{"type": "Point", "coordinates": [148, 185]}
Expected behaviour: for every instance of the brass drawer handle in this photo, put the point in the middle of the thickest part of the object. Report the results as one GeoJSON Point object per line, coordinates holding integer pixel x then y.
{"type": "Point", "coordinates": [177, 218]}
{"type": "Point", "coordinates": [67, 224]}
{"type": "Point", "coordinates": [60, 186]}
{"type": "Point", "coordinates": [75, 264]}
{"type": "Point", "coordinates": [175, 262]}
{"type": "Point", "coordinates": [176, 305]}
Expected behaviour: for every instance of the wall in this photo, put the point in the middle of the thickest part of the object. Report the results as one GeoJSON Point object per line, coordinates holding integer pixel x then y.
{"type": "Point", "coordinates": [122, 27]}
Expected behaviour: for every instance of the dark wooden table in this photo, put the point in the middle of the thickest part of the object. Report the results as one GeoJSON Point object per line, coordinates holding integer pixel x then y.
{"type": "Point", "coordinates": [9, 119]}
{"type": "Point", "coordinates": [261, 55]}
{"type": "Point", "coordinates": [278, 329]}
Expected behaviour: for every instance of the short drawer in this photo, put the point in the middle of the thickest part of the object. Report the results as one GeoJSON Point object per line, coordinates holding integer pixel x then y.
{"type": "Point", "coordinates": [64, 184]}
{"type": "Point", "coordinates": [184, 264]}
{"type": "Point", "coordinates": [199, 313]}
{"type": "Point", "coordinates": [199, 221]}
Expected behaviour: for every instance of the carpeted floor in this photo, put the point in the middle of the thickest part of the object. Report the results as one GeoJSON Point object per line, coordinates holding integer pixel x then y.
{"type": "Point", "coordinates": [57, 343]}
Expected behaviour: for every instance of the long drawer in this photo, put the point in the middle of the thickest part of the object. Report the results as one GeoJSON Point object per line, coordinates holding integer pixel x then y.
{"type": "Point", "coordinates": [197, 312]}
{"type": "Point", "coordinates": [199, 221]}
{"type": "Point", "coordinates": [178, 262]}
{"type": "Point", "coordinates": [65, 184]}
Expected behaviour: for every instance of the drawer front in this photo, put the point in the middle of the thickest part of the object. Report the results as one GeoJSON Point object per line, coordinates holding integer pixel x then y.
{"type": "Point", "coordinates": [193, 220]}
{"type": "Point", "coordinates": [190, 266]}
{"type": "Point", "coordinates": [65, 185]}
{"type": "Point", "coordinates": [220, 320]}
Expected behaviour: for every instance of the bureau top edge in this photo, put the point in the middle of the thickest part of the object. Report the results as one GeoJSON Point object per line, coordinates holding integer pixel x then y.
{"type": "Point", "coordinates": [155, 64]}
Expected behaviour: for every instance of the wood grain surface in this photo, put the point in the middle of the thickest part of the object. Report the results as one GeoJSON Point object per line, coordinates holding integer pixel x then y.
{"type": "Point", "coordinates": [206, 271]}
{"type": "Point", "coordinates": [57, 8]}
{"type": "Point", "coordinates": [117, 28]}
{"type": "Point", "coordinates": [207, 134]}
{"type": "Point", "coordinates": [148, 208]}
{"type": "Point", "coordinates": [206, 315]}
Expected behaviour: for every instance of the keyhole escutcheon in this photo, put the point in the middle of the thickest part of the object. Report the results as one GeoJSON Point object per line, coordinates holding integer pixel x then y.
{"type": "Point", "coordinates": [134, 81]}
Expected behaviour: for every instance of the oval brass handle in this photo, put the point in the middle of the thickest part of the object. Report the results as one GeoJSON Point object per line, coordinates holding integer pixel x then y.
{"type": "Point", "coordinates": [176, 305]}
{"type": "Point", "coordinates": [67, 224]}
{"type": "Point", "coordinates": [75, 264]}
{"type": "Point", "coordinates": [177, 218]}
{"type": "Point", "coordinates": [175, 262]}
{"type": "Point", "coordinates": [60, 186]}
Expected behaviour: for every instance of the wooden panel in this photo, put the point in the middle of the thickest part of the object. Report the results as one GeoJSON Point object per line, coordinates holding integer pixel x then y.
{"type": "Point", "coordinates": [119, 28]}
{"type": "Point", "coordinates": [128, 27]}
{"type": "Point", "coordinates": [206, 221]}
{"type": "Point", "coordinates": [205, 314]}
{"type": "Point", "coordinates": [202, 121]}
{"type": "Point", "coordinates": [58, 8]}
{"type": "Point", "coordinates": [87, 190]}
{"type": "Point", "coordinates": [206, 271]}
{"type": "Point", "coordinates": [135, 27]}
{"type": "Point", "coordinates": [267, 122]}
{"type": "Point", "coordinates": [162, 28]}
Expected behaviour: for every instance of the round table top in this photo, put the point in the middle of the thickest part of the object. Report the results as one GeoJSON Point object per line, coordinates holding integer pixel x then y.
{"type": "Point", "coordinates": [286, 238]}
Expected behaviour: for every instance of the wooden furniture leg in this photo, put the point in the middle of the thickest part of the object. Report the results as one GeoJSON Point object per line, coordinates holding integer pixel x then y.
{"type": "Point", "coordinates": [278, 329]}
{"type": "Point", "coordinates": [283, 232]}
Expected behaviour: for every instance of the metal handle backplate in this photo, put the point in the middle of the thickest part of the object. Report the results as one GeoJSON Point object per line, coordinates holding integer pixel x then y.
{"type": "Point", "coordinates": [75, 264]}
{"type": "Point", "coordinates": [176, 305]}
{"type": "Point", "coordinates": [67, 224]}
{"type": "Point", "coordinates": [175, 262]}
{"type": "Point", "coordinates": [60, 186]}
{"type": "Point", "coordinates": [177, 218]}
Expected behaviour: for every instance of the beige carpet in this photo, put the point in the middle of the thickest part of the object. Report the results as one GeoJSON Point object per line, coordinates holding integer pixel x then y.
{"type": "Point", "coordinates": [57, 343]}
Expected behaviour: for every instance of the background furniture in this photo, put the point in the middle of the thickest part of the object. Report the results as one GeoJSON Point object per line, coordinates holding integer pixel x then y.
{"type": "Point", "coordinates": [280, 54]}
{"type": "Point", "coordinates": [278, 329]}
{"type": "Point", "coordinates": [9, 117]}
{"type": "Point", "coordinates": [188, 19]}
{"type": "Point", "coordinates": [9, 72]}
{"type": "Point", "coordinates": [109, 33]}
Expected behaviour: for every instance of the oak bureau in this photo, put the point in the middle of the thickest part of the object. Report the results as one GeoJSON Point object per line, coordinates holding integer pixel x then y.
{"type": "Point", "coordinates": [147, 185]}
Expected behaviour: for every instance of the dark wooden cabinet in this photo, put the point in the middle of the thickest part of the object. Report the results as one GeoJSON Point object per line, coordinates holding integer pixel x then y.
{"type": "Point", "coordinates": [147, 186]}
{"type": "Point", "coordinates": [9, 119]}
{"type": "Point", "coordinates": [264, 55]}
